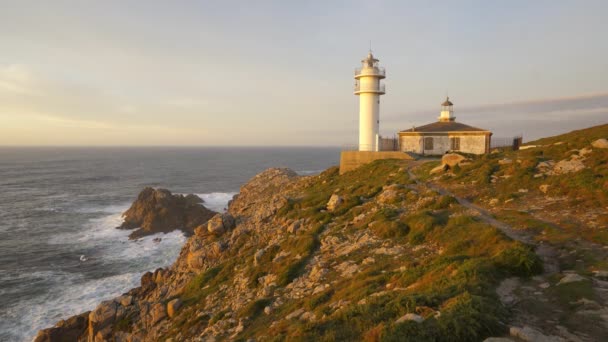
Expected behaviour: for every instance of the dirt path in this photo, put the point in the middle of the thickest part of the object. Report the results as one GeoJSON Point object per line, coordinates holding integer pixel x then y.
{"type": "Point", "coordinates": [532, 307]}
{"type": "Point", "coordinates": [547, 253]}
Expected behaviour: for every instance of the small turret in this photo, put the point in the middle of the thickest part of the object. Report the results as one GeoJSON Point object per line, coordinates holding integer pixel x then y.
{"type": "Point", "coordinates": [447, 112]}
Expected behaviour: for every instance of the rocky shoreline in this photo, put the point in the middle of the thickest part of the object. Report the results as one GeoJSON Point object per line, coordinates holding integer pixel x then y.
{"type": "Point", "coordinates": [141, 314]}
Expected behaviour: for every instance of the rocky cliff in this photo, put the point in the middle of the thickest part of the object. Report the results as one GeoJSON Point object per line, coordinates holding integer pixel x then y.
{"type": "Point", "coordinates": [158, 210]}
{"type": "Point", "coordinates": [373, 254]}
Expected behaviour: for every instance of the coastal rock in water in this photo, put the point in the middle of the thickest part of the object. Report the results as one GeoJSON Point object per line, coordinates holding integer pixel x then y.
{"type": "Point", "coordinates": [157, 210]}
{"type": "Point", "coordinates": [65, 330]}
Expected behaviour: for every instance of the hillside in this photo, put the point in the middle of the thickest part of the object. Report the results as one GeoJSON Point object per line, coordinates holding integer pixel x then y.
{"type": "Point", "coordinates": [554, 193]}
{"type": "Point", "coordinates": [387, 252]}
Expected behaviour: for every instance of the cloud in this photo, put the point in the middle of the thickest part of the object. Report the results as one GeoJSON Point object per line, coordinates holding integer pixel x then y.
{"type": "Point", "coordinates": [16, 79]}
{"type": "Point", "coordinates": [533, 118]}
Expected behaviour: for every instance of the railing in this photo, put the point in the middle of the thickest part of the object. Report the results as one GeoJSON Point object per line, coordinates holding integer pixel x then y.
{"type": "Point", "coordinates": [370, 88]}
{"type": "Point", "coordinates": [506, 142]}
{"type": "Point", "coordinates": [375, 71]}
{"type": "Point", "coordinates": [384, 144]}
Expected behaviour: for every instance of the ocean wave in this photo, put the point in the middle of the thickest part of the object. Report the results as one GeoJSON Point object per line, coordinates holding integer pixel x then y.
{"type": "Point", "coordinates": [217, 201]}
{"type": "Point", "coordinates": [73, 293]}
{"type": "Point", "coordinates": [309, 172]}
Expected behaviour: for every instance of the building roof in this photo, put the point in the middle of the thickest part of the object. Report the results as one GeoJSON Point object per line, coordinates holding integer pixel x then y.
{"type": "Point", "coordinates": [444, 126]}
{"type": "Point", "coordinates": [447, 102]}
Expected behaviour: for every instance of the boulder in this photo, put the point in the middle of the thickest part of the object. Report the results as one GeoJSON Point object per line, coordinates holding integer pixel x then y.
{"type": "Point", "coordinates": [410, 317]}
{"type": "Point", "coordinates": [334, 202]}
{"type": "Point", "coordinates": [600, 143]}
{"type": "Point", "coordinates": [568, 166]}
{"type": "Point", "coordinates": [452, 159]}
{"type": "Point", "coordinates": [173, 306]}
{"type": "Point", "coordinates": [571, 278]}
{"type": "Point", "coordinates": [157, 313]}
{"type": "Point", "coordinates": [158, 210]}
{"type": "Point", "coordinates": [70, 329]}
{"type": "Point", "coordinates": [220, 223]}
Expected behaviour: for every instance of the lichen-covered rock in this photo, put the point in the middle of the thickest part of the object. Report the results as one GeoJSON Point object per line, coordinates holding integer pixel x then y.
{"type": "Point", "coordinates": [452, 159]}
{"type": "Point", "coordinates": [334, 202]}
{"type": "Point", "coordinates": [158, 210]}
{"type": "Point", "coordinates": [600, 143]}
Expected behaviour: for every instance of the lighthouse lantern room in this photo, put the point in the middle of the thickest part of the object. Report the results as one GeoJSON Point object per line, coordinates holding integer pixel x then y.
{"type": "Point", "coordinates": [369, 88]}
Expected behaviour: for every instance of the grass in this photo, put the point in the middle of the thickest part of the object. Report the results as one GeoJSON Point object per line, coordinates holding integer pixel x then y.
{"type": "Point", "coordinates": [450, 263]}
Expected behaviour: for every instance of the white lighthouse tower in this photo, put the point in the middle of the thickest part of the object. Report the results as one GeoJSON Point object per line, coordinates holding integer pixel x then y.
{"type": "Point", "coordinates": [369, 89]}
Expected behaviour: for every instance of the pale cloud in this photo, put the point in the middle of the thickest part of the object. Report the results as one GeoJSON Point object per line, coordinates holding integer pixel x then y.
{"type": "Point", "coordinates": [16, 79]}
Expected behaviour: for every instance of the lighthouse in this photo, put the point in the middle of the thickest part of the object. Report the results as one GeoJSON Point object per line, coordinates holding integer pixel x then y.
{"type": "Point", "coordinates": [369, 89]}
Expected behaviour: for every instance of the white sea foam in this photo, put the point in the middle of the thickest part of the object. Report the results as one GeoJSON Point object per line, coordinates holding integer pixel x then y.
{"type": "Point", "coordinates": [308, 172]}
{"type": "Point", "coordinates": [217, 201]}
{"type": "Point", "coordinates": [72, 293]}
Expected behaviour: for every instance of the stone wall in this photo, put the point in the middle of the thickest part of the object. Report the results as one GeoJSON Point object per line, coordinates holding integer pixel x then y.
{"type": "Point", "coordinates": [350, 160]}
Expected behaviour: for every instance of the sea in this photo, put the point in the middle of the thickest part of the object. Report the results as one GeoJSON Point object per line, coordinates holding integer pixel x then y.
{"type": "Point", "coordinates": [60, 253]}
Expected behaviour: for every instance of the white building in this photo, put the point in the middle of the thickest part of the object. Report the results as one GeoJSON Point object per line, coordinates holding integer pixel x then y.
{"type": "Point", "coordinates": [445, 135]}
{"type": "Point", "coordinates": [369, 88]}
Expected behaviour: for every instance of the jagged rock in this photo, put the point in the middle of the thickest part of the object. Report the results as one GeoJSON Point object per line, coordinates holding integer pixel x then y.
{"type": "Point", "coordinates": [65, 330]}
{"type": "Point", "coordinates": [157, 313]}
{"type": "Point", "coordinates": [334, 202]}
{"type": "Point", "coordinates": [147, 281]}
{"type": "Point", "coordinates": [600, 143]}
{"type": "Point", "coordinates": [220, 223]}
{"type": "Point", "coordinates": [532, 335]}
{"type": "Point", "coordinates": [157, 210]}
{"type": "Point", "coordinates": [173, 306]}
{"type": "Point", "coordinates": [260, 197]}
{"type": "Point", "coordinates": [571, 278]}
{"type": "Point", "coordinates": [544, 188]}
{"type": "Point", "coordinates": [102, 317]}
{"type": "Point", "coordinates": [410, 317]}
{"type": "Point", "coordinates": [125, 300]}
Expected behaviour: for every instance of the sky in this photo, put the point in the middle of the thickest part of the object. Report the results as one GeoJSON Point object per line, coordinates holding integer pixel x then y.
{"type": "Point", "coordinates": [210, 73]}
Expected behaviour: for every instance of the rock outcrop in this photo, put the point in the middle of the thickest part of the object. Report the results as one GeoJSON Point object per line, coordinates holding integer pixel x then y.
{"type": "Point", "coordinates": [158, 210]}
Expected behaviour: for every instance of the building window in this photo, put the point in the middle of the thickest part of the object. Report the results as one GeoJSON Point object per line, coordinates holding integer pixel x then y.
{"type": "Point", "coordinates": [428, 143]}
{"type": "Point", "coordinates": [455, 143]}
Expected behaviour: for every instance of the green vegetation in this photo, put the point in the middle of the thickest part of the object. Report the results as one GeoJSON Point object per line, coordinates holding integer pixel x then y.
{"type": "Point", "coordinates": [425, 255]}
